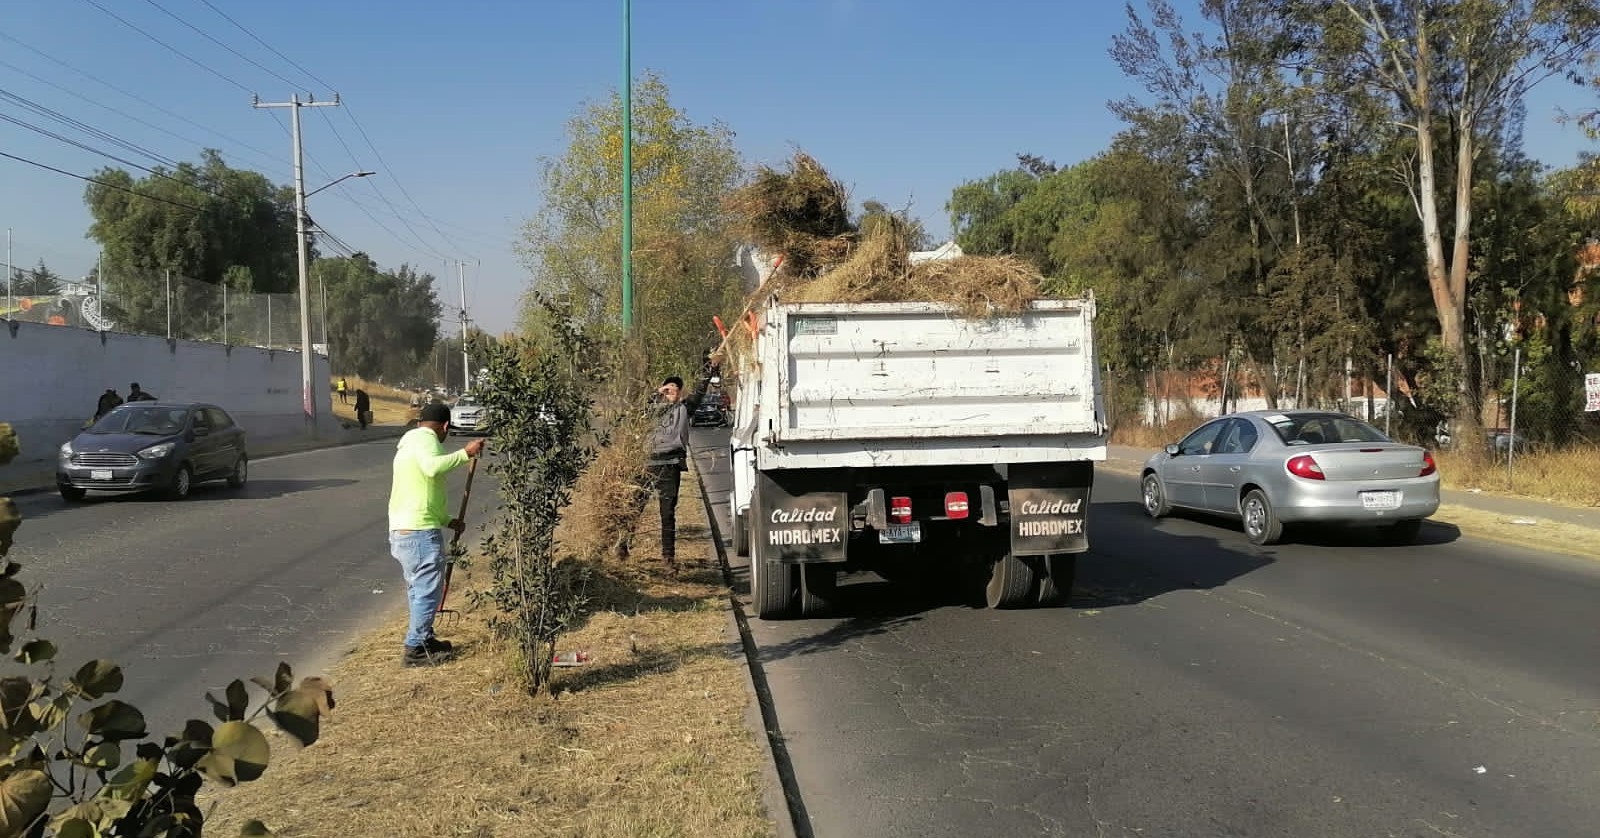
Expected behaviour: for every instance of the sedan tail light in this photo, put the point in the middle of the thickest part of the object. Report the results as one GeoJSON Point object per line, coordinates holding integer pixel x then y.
{"type": "Point", "coordinates": [1428, 465]}
{"type": "Point", "coordinates": [1305, 466]}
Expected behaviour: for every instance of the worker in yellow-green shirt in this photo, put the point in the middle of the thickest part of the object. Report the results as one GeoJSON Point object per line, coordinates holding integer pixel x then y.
{"type": "Point", "coordinates": [418, 518]}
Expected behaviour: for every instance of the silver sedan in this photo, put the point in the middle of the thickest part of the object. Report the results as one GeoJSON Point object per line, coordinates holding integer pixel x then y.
{"type": "Point", "coordinates": [1270, 468]}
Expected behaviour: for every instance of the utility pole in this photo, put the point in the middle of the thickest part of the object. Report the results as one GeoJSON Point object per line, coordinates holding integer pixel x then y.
{"type": "Point", "coordinates": [328, 347]}
{"type": "Point", "coordinates": [308, 399]}
{"type": "Point", "coordinates": [9, 272]}
{"type": "Point", "coordinates": [466, 370]}
{"type": "Point", "coordinates": [627, 167]}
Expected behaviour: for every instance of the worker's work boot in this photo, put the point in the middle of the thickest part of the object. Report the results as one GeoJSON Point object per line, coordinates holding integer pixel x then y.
{"type": "Point", "coordinates": [420, 656]}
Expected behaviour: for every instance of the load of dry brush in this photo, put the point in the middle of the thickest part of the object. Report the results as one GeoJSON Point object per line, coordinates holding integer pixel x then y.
{"type": "Point", "coordinates": [803, 214]}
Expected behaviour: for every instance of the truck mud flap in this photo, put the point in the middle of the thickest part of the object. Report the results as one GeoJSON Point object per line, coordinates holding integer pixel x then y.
{"type": "Point", "coordinates": [796, 526]}
{"type": "Point", "coordinates": [1050, 508]}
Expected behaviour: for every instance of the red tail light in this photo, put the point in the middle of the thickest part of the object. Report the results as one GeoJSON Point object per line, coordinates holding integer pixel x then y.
{"type": "Point", "coordinates": [955, 505]}
{"type": "Point", "coordinates": [1428, 465]}
{"type": "Point", "coordinates": [1306, 466]}
{"type": "Point", "coordinates": [900, 510]}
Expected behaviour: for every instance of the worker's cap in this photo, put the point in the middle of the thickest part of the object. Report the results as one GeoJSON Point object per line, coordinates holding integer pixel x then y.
{"type": "Point", "coordinates": [434, 412]}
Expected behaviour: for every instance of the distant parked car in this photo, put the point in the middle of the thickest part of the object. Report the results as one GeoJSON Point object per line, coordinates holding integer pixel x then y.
{"type": "Point", "coordinates": [1270, 468]}
{"type": "Point", "coordinates": [164, 446]}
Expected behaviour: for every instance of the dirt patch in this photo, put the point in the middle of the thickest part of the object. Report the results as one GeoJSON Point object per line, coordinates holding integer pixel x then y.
{"type": "Point", "coordinates": [648, 738]}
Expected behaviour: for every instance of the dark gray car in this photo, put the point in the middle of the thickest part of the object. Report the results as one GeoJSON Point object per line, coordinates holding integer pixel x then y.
{"type": "Point", "coordinates": [164, 446]}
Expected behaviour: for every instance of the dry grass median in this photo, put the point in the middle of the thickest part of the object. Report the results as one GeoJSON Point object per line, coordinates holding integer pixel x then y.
{"type": "Point", "coordinates": [389, 406]}
{"type": "Point", "coordinates": [648, 738]}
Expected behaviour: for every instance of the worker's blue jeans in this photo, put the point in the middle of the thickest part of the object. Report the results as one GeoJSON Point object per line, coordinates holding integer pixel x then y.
{"type": "Point", "coordinates": [422, 560]}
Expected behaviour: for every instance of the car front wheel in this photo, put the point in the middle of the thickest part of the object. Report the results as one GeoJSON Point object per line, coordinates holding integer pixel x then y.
{"type": "Point", "coordinates": [182, 483]}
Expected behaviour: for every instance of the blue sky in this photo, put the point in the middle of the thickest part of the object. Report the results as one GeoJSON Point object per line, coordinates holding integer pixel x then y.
{"type": "Point", "coordinates": [903, 100]}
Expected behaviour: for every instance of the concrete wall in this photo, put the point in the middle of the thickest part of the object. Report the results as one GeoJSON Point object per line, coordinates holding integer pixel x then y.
{"type": "Point", "coordinates": [52, 376]}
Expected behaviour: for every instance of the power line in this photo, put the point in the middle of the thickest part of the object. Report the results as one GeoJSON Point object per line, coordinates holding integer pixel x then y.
{"type": "Point", "coordinates": [180, 53]}
{"type": "Point", "coordinates": [377, 191]}
{"type": "Point", "coordinates": [241, 27]}
{"type": "Point", "coordinates": [268, 70]}
{"type": "Point", "coordinates": [92, 131]}
{"type": "Point", "coordinates": [381, 196]}
{"type": "Point", "coordinates": [99, 182]}
{"type": "Point", "coordinates": [119, 112]}
{"type": "Point", "coordinates": [134, 96]}
{"type": "Point", "coordinates": [401, 186]}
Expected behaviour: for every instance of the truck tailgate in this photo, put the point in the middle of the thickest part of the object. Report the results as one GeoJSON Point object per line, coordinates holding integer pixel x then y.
{"type": "Point", "coordinates": [869, 371]}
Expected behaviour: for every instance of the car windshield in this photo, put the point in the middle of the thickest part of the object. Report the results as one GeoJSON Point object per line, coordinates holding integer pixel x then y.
{"type": "Point", "coordinates": [1320, 428]}
{"type": "Point", "coordinates": [154, 421]}
{"type": "Point", "coordinates": [467, 401]}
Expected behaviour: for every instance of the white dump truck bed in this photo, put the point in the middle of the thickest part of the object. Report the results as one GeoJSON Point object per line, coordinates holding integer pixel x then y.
{"type": "Point", "coordinates": [915, 384]}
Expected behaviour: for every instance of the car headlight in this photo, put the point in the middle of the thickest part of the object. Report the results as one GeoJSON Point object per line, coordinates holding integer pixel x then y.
{"type": "Point", "coordinates": [156, 452]}
{"type": "Point", "coordinates": [66, 449]}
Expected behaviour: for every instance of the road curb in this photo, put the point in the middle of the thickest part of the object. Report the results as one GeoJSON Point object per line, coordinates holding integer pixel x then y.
{"type": "Point", "coordinates": [24, 487]}
{"type": "Point", "coordinates": [780, 788]}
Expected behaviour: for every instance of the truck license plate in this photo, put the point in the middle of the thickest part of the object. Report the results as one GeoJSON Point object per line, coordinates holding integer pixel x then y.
{"type": "Point", "coordinates": [901, 534]}
{"type": "Point", "coordinates": [1380, 500]}
{"type": "Point", "coordinates": [100, 474]}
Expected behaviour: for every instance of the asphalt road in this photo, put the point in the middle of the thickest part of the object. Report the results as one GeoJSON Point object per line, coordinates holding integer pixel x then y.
{"type": "Point", "coordinates": [189, 595]}
{"type": "Point", "coordinates": [1197, 685]}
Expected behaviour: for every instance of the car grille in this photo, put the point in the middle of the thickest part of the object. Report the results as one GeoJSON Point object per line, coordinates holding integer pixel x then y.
{"type": "Point", "coordinates": [104, 460]}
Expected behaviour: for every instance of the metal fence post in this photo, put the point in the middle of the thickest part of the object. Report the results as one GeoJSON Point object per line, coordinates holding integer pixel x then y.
{"type": "Point", "coordinates": [169, 304]}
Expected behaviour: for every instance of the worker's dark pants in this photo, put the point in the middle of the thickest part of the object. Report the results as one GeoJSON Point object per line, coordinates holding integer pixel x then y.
{"type": "Point", "coordinates": [664, 482]}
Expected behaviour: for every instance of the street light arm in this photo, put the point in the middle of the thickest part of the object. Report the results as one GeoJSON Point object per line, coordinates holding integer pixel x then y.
{"type": "Point", "coordinates": [339, 181]}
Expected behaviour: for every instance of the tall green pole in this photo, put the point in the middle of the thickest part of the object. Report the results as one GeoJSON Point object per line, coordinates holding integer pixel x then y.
{"type": "Point", "coordinates": [627, 166]}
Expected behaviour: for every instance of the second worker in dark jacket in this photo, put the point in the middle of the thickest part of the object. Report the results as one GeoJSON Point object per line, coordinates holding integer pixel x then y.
{"type": "Point", "coordinates": [669, 453]}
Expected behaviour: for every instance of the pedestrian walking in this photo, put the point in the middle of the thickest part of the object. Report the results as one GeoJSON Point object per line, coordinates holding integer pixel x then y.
{"type": "Point", "coordinates": [417, 521]}
{"type": "Point", "coordinates": [669, 450]}
{"type": "Point", "coordinates": [344, 391]}
{"type": "Point", "coordinates": [363, 408]}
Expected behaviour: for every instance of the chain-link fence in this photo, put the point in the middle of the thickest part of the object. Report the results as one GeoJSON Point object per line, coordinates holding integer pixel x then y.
{"type": "Point", "coordinates": [167, 305]}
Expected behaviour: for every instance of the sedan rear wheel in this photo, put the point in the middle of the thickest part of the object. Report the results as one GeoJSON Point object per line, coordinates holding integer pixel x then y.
{"type": "Point", "coordinates": [1261, 524]}
{"type": "Point", "coordinates": [241, 472]}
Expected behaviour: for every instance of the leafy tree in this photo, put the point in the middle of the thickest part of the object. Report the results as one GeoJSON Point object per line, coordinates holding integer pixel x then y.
{"type": "Point", "coordinates": [1450, 74]}
{"type": "Point", "coordinates": [380, 323]}
{"type": "Point", "coordinates": [683, 233]}
{"type": "Point", "coordinates": [199, 221]}
{"type": "Point", "coordinates": [38, 281]}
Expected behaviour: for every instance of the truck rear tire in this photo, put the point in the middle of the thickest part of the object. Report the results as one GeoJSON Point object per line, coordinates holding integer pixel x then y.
{"type": "Point", "coordinates": [1055, 578]}
{"type": "Point", "coordinates": [818, 582]}
{"type": "Point", "coordinates": [774, 586]}
{"type": "Point", "coordinates": [741, 534]}
{"type": "Point", "coordinates": [1012, 583]}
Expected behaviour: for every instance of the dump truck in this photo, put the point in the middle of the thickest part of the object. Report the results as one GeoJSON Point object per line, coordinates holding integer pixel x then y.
{"type": "Point", "coordinates": [908, 439]}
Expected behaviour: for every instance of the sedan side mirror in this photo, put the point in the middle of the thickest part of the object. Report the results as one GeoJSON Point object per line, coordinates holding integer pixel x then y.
{"type": "Point", "coordinates": [1172, 449]}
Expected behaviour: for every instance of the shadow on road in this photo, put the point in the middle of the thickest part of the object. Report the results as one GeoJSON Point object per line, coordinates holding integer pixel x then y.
{"type": "Point", "coordinates": [1130, 562]}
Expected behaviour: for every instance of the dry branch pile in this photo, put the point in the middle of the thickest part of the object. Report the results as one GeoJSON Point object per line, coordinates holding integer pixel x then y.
{"type": "Point", "coordinates": [803, 214]}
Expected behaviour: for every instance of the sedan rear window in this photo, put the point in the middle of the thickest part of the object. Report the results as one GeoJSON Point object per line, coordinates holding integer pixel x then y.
{"type": "Point", "coordinates": [1321, 428]}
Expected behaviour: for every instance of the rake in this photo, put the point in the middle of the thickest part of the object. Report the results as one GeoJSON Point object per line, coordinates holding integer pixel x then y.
{"type": "Point", "coordinates": [456, 550]}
